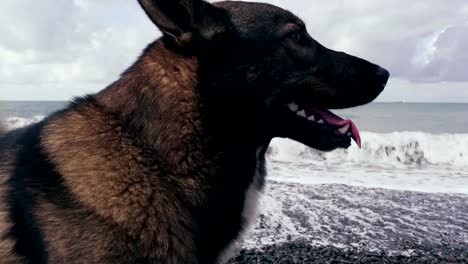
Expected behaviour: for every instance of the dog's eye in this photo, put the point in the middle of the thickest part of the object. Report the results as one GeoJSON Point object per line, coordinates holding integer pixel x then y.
{"type": "Point", "coordinates": [296, 37]}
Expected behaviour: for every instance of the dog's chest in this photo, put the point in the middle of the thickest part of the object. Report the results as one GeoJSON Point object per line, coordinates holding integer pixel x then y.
{"type": "Point", "coordinates": [250, 207]}
{"type": "Point", "coordinates": [252, 195]}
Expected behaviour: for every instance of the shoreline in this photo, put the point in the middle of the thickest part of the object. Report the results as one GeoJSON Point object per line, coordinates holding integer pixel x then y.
{"type": "Point", "coordinates": [345, 224]}
{"type": "Point", "coordinates": [297, 252]}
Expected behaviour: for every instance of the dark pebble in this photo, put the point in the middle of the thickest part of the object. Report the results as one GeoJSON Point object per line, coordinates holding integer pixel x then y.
{"type": "Point", "coordinates": [292, 253]}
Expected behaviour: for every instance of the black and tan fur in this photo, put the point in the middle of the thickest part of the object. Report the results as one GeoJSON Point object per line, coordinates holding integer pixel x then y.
{"type": "Point", "coordinates": [156, 167]}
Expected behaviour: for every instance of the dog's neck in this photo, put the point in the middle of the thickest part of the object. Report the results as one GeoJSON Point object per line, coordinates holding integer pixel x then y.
{"type": "Point", "coordinates": [160, 97]}
{"type": "Point", "coordinates": [157, 98]}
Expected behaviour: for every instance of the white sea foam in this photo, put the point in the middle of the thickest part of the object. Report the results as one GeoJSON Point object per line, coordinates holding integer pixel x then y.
{"type": "Point", "coordinates": [398, 148]}
{"type": "Point", "coordinates": [17, 122]}
{"type": "Point", "coordinates": [413, 161]}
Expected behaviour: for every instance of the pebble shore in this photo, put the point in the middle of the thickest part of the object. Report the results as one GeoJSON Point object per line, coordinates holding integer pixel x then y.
{"type": "Point", "coordinates": [344, 224]}
{"type": "Point", "coordinates": [294, 253]}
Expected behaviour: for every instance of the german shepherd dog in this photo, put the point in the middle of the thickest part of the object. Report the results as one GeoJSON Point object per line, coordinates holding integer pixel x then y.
{"type": "Point", "coordinates": [165, 164]}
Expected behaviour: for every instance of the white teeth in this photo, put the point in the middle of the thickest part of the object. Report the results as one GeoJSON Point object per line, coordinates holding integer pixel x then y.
{"type": "Point", "coordinates": [293, 107]}
{"type": "Point", "coordinates": [321, 121]}
{"type": "Point", "coordinates": [344, 129]}
{"type": "Point", "coordinates": [311, 118]}
{"type": "Point", "coordinates": [302, 114]}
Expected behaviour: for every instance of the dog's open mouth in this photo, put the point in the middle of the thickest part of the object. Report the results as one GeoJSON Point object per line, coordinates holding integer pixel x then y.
{"type": "Point", "coordinates": [317, 127]}
{"type": "Point", "coordinates": [324, 117]}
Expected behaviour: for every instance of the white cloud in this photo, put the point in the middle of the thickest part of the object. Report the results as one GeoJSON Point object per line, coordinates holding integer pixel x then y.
{"type": "Point", "coordinates": [426, 49]}
{"type": "Point", "coordinates": [59, 49]}
{"type": "Point", "coordinates": [387, 32]}
{"type": "Point", "coordinates": [449, 60]}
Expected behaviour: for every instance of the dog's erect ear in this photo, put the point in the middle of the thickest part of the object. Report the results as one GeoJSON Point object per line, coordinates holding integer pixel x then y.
{"type": "Point", "coordinates": [185, 21]}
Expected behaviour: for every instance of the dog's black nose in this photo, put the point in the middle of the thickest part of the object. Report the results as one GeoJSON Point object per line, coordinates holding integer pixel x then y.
{"type": "Point", "coordinates": [382, 75]}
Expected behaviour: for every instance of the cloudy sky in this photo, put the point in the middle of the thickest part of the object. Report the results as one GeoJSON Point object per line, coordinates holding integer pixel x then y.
{"type": "Point", "coordinates": [56, 49]}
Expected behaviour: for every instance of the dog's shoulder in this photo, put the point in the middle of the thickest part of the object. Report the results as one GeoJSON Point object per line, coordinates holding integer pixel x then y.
{"type": "Point", "coordinates": [26, 171]}
{"type": "Point", "coordinates": [38, 169]}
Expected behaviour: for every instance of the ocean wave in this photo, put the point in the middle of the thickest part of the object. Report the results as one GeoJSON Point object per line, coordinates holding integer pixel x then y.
{"type": "Point", "coordinates": [17, 122]}
{"type": "Point", "coordinates": [397, 148]}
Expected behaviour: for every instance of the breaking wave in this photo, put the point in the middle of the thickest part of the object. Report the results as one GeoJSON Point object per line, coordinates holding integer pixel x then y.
{"type": "Point", "coordinates": [17, 122]}
{"type": "Point", "coordinates": [397, 148]}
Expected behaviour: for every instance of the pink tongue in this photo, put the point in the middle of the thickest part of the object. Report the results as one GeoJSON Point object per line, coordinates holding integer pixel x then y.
{"type": "Point", "coordinates": [332, 119]}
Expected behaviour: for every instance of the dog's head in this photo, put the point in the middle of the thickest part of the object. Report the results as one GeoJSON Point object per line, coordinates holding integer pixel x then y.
{"type": "Point", "coordinates": [262, 72]}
